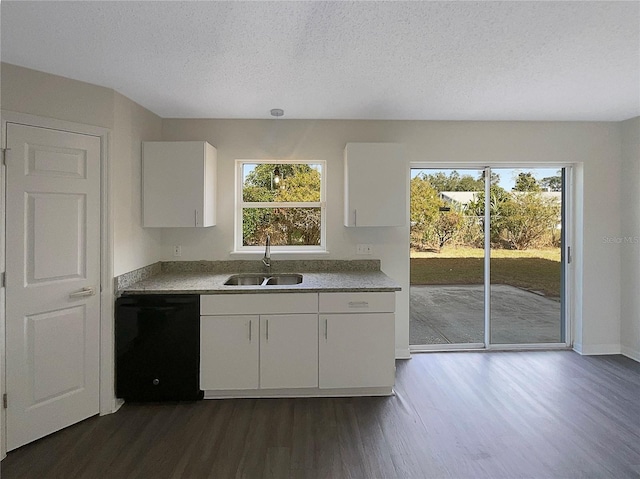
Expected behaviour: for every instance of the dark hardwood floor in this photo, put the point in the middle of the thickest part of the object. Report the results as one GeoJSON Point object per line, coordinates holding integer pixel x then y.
{"type": "Point", "coordinates": [455, 415]}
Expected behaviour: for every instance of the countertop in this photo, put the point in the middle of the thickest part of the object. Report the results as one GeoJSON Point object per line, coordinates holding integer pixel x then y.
{"type": "Point", "coordinates": [213, 283]}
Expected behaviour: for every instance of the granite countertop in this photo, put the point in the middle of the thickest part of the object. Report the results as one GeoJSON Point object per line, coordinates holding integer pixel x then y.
{"type": "Point", "coordinates": [172, 279]}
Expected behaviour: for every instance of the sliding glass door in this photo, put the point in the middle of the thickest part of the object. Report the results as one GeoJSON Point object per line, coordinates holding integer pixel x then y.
{"type": "Point", "coordinates": [447, 259]}
{"type": "Point", "coordinates": [526, 266]}
{"type": "Point", "coordinates": [474, 287]}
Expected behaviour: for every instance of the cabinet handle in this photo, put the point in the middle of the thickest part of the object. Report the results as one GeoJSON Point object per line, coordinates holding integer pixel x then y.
{"type": "Point", "coordinates": [250, 330]}
{"type": "Point", "coordinates": [196, 215]}
{"type": "Point", "coordinates": [326, 329]}
{"type": "Point", "coordinates": [355, 217]}
{"type": "Point", "coordinates": [358, 304]}
{"type": "Point", "coordinates": [267, 330]}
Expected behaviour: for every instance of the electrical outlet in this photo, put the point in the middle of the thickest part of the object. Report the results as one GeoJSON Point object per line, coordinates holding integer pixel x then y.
{"type": "Point", "coordinates": [177, 250]}
{"type": "Point", "coordinates": [364, 249]}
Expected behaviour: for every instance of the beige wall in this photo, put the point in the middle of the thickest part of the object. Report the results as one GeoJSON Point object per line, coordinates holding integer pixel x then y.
{"type": "Point", "coordinates": [134, 246]}
{"type": "Point", "coordinates": [52, 96]}
{"type": "Point", "coordinates": [37, 93]}
{"type": "Point", "coordinates": [630, 249]}
{"type": "Point", "coordinates": [593, 147]}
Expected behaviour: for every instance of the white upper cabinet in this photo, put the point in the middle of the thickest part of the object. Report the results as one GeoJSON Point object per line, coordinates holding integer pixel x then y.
{"type": "Point", "coordinates": [376, 177]}
{"type": "Point", "coordinates": [179, 184]}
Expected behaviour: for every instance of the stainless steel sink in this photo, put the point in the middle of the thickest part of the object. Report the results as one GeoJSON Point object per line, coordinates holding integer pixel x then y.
{"type": "Point", "coordinates": [279, 279]}
{"type": "Point", "coordinates": [245, 280]}
{"type": "Point", "coordinates": [263, 280]}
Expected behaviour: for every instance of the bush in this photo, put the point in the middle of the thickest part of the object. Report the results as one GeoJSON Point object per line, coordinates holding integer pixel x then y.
{"type": "Point", "coordinates": [528, 219]}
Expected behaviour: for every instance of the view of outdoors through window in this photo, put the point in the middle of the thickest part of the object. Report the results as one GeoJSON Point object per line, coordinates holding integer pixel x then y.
{"type": "Point", "coordinates": [448, 250]}
{"type": "Point", "coordinates": [282, 201]}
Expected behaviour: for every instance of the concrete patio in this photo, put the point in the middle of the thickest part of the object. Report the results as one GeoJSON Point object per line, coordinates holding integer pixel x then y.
{"type": "Point", "coordinates": [455, 314]}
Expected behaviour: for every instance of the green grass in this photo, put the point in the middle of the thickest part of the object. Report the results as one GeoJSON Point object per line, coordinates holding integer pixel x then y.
{"type": "Point", "coordinates": [535, 270]}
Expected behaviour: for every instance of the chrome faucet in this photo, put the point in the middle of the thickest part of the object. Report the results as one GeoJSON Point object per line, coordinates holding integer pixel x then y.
{"type": "Point", "coordinates": [267, 254]}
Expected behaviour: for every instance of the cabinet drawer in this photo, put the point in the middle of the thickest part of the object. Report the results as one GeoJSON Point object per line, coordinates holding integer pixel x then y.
{"type": "Point", "coordinates": [357, 302]}
{"type": "Point", "coordinates": [250, 303]}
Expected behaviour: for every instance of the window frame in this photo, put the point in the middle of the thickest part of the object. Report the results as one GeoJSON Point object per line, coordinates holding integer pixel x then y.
{"type": "Point", "coordinates": [240, 205]}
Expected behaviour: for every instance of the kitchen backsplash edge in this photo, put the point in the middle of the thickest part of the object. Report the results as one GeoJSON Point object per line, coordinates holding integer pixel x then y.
{"type": "Point", "coordinates": [279, 266]}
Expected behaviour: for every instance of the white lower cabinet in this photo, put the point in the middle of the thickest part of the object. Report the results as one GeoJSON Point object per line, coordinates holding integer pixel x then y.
{"type": "Point", "coordinates": [357, 340]}
{"type": "Point", "coordinates": [259, 341]}
{"type": "Point", "coordinates": [229, 352]}
{"type": "Point", "coordinates": [289, 351]}
{"type": "Point", "coordinates": [297, 344]}
{"type": "Point", "coordinates": [356, 350]}
{"type": "Point", "coordinates": [266, 352]}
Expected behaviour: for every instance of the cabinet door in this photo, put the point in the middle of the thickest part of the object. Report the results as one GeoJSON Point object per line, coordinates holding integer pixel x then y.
{"type": "Point", "coordinates": [229, 352]}
{"type": "Point", "coordinates": [376, 179]}
{"type": "Point", "coordinates": [356, 350]}
{"type": "Point", "coordinates": [289, 351]}
{"type": "Point", "coordinates": [178, 184]}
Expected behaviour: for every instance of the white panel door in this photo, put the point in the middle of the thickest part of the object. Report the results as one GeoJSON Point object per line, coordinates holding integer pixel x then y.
{"type": "Point", "coordinates": [53, 275]}
{"type": "Point", "coordinates": [229, 352]}
{"type": "Point", "coordinates": [357, 350]}
{"type": "Point", "coordinates": [289, 351]}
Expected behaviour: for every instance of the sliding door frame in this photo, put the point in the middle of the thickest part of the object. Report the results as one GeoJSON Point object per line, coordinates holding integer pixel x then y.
{"type": "Point", "coordinates": [567, 284]}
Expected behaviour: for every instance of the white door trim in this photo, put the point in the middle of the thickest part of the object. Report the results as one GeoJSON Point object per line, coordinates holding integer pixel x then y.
{"type": "Point", "coordinates": [108, 402]}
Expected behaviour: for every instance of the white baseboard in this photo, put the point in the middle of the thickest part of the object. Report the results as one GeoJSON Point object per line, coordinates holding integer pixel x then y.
{"type": "Point", "coordinates": [403, 353]}
{"type": "Point", "coordinates": [298, 393]}
{"type": "Point", "coordinates": [631, 353]}
{"type": "Point", "coordinates": [118, 405]}
{"type": "Point", "coordinates": [110, 406]}
{"type": "Point", "coordinates": [596, 349]}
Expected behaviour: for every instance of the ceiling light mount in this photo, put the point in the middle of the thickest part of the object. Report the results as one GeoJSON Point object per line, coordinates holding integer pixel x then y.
{"type": "Point", "coordinates": [277, 112]}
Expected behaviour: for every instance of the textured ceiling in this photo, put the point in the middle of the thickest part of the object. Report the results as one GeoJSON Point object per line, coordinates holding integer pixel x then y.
{"type": "Point", "coordinates": [513, 60]}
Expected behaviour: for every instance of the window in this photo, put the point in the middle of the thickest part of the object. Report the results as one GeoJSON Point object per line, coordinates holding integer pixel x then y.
{"type": "Point", "coordinates": [284, 200]}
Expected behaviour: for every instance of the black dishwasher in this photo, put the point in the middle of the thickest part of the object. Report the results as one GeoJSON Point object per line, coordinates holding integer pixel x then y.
{"type": "Point", "coordinates": [158, 347]}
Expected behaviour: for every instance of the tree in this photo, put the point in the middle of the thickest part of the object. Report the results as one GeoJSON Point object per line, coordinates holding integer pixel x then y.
{"type": "Point", "coordinates": [286, 226]}
{"type": "Point", "coordinates": [262, 174]}
{"type": "Point", "coordinates": [299, 225]}
{"type": "Point", "coordinates": [424, 203]}
{"type": "Point", "coordinates": [498, 199]}
{"type": "Point", "coordinates": [468, 183]}
{"type": "Point", "coordinates": [552, 183]}
{"type": "Point", "coordinates": [445, 227]}
{"type": "Point", "coordinates": [424, 207]}
{"type": "Point", "coordinates": [255, 219]}
{"type": "Point", "coordinates": [526, 182]}
{"type": "Point", "coordinates": [454, 182]}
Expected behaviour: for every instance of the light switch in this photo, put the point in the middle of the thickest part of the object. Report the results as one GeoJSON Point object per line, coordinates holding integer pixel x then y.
{"type": "Point", "coordinates": [177, 250]}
